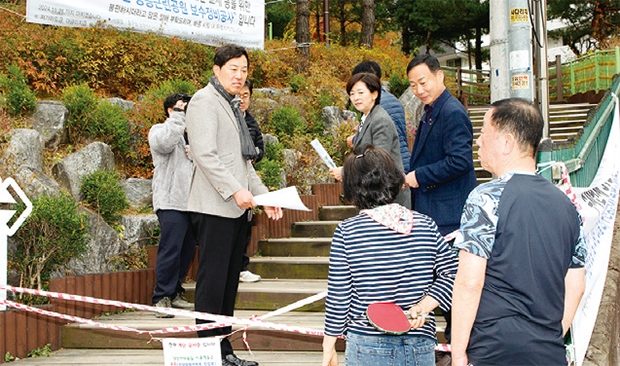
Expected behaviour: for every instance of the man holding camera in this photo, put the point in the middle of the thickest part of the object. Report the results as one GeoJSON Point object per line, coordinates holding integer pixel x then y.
{"type": "Point", "coordinates": [171, 182]}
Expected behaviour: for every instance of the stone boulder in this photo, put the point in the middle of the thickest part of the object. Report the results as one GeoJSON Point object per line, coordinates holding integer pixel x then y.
{"type": "Point", "coordinates": [271, 92]}
{"type": "Point", "coordinates": [49, 120]}
{"type": "Point", "coordinates": [414, 108]}
{"type": "Point", "coordinates": [138, 229]}
{"type": "Point", "coordinates": [139, 192]}
{"type": "Point", "coordinates": [24, 149]}
{"type": "Point", "coordinates": [332, 116]}
{"type": "Point", "coordinates": [104, 244]}
{"type": "Point", "coordinates": [125, 104]}
{"type": "Point", "coordinates": [35, 183]}
{"type": "Point", "coordinates": [270, 139]}
{"type": "Point", "coordinates": [70, 171]}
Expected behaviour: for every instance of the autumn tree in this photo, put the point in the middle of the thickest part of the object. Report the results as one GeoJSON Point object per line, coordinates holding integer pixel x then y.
{"type": "Point", "coordinates": [592, 24]}
{"type": "Point", "coordinates": [368, 23]}
{"type": "Point", "coordinates": [302, 29]}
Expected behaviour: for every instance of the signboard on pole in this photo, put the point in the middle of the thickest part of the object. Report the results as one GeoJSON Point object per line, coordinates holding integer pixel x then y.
{"type": "Point", "coordinates": [211, 22]}
{"type": "Point", "coordinates": [5, 230]}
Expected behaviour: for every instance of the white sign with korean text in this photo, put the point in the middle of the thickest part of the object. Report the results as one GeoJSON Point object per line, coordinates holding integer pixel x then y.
{"type": "Point", "coordinates": [192, 352]}
{"type": "Point", "coordinates": [598, 208]}
{"type": "Point", "coordinates": [211, 22]}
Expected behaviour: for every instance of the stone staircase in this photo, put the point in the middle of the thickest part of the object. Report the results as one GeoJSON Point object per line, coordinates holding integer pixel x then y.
{"type": "Point", "coordinates": [566, 122]}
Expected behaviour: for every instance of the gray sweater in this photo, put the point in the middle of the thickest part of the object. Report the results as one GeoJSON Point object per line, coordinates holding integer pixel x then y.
{"type": "Point", "coordinates": [172, 176]}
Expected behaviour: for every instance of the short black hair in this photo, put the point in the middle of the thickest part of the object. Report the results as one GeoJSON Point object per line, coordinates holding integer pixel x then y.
{"type": "Point", "coordinates": [430, 61]}
{"type": "Point", "coordinates": [372, 83]}
{"type": "Point", "coordinates": [370, 177]}
{"type": "Point", "coordinates": [520, 117]}
{"type": "Point", "coordinates": [172, 99]}
{"type": "Point", "coordinates": [367, 66]}
{"type": "Point", "coordinates": [228, 52]}
{"type": "Point", "coordinates": [248, 83]}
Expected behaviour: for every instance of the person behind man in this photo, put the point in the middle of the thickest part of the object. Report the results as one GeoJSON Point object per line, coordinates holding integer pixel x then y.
{"type": "Point", "coordinates": [392, 106]}
{"type": "Point", "coordinates": [257, 138]}
{"type": "Point", "coordinates": [223, 188]}
{"type": "Point", "coordinates": [442, 166]}
{"type": "Point", "coordinates": [171, 180]}
{"type": "Point", "coordinates": [521, 268]}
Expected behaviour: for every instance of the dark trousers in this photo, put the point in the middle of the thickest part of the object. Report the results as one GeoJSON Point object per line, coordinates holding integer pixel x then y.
{"type": "Point", "coordinates": [222, 242]}
{"type": "Point", "coordinates": [175, 253]}
{"type": "Point", "coordinates": [246, 257]}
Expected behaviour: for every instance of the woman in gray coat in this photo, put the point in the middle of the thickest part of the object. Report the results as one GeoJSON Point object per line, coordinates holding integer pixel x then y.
{"type": "Point", "coordinates": [376, 126]}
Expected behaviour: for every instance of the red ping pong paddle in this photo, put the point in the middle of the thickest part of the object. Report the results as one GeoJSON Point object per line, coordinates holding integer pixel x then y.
{"type": "Point", "coordinates": [389, 318]}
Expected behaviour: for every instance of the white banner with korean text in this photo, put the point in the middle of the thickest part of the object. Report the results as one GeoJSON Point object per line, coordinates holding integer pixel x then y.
{"type": "Point", "coordinates": [599, 203]}
{"type": "Point", "coordinates": [211, 22]}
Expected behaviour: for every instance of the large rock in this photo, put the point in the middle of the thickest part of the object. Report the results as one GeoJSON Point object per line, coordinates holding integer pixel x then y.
{"type": "Point", "coordinates": [270, 139]}
{"type": "Point", "coordinates": [125, 104]}
{"type": "Point", "coordinates": [302, 174]}
{"type": "Point", "coordinates": [35, 183]}
{"type": "Point", "coordinates": [49, 120]}
{"type": "Point", "coordinates": [138, 229]}
{"type": "Point", "coordinates": [25, 149]}
{"type": "Point", "coordinates": [70, 171]}
{"type": "Point", "coordinates": [139, 192]}
{"type": "Point", "coordinates": [414, 108]}
{"type": "Point", "coordinates": [271, 92]}
{"type": "Point", "coordinates": [332, 117]}
{"type": "Point", "coordinates": [103, 245]}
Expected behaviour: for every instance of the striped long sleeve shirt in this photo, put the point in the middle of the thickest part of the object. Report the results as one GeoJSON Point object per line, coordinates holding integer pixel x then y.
{"type": "Point", "coordinates": [372, 263]}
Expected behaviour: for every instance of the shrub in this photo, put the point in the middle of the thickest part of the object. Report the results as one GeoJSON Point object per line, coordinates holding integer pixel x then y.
{"type": "Point", "coordinates": [270, 167]}
{"type": "Point", "coordinates": [103, 193]}
{"type": "Point", "coordinates": [18, 98]}
{"type": "Point", "coordinates": [54, 233]}
{"type": "Point", "coordinates": [285, 121]}
{"type": "Point", "coordinates": [81, 101]}
{"type": "Point", "coordinates": [298, 83]}
{"type": "Point", "coordinates": [398, 85]}
{"type": "Point", "coordinates": [110, 124]}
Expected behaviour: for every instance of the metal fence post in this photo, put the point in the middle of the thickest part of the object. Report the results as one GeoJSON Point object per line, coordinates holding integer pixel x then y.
{"type": "Point", "coordinates": [617, 60]}
{"type": "Point", "coordinates": [572, 78]}
{"type": "Point", "coordinates": [596, 71]}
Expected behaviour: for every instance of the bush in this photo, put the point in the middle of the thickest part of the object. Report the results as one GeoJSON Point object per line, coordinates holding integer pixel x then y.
{"type": "Point", "coordinates": [18, 98]}
{"type": "Point", "coordinates": [54, 233]}
{"type": "Point", "coordinates": [298, 83]}
{"type": "Point", "coordinates": [270, 167]}
{"type": "Point", "coordinates": [285, 121]}
{"type": "Point", "coordinates": [81, 102]}
{"type": "Point", "coordinates": [398, 85]}
{"type": "Point", "coordinates": [110, 124]}
{"type": "Point", "coordinates": [103, 193]}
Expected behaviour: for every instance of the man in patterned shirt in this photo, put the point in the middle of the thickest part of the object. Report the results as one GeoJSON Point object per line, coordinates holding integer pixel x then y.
{"type": "Point", "coordinates": [521, 268]}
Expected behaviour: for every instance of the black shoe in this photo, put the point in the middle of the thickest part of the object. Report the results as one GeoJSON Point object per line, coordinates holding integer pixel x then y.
{"type": "Point", "coordinates": [232, 360]}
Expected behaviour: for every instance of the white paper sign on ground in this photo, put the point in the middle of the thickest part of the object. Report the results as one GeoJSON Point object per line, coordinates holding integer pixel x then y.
{"type": "Point", "coordinates": [213, 22]}
{"type": "Point", "coordinates": [284, 198]}
{"type": "Point", "coordinates": [192, 352]}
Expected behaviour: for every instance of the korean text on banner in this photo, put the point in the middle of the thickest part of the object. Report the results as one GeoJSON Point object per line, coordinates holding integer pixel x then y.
{"type": "Point", "coordinates": [598, 209]}
{"type": "Point", "coordinates": [211, 22]}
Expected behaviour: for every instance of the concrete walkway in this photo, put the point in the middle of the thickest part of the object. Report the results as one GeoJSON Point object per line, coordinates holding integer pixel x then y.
{"type": "Point", "coordinates": [116, 357]}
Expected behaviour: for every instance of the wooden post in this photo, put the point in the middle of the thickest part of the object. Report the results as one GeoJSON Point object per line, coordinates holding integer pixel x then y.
{"type": "Point", "coordinates": [558, 73]}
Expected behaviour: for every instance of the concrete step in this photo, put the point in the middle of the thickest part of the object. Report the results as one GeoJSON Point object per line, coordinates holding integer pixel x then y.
{"type": "Point", "coordinates": [155, 357]}
{"type": "Point", "coordinates": [271, 294]}
{"type": "Point", "coordinates": [290, 267]}
{"type": "Point", "coordinates": [337, 213]}
{"type": "Point", "coordinates": [314, 229]}
{"type": "Point", "coordinates": [78, 336]}
{"type": "Point", "coordinates": [299, 247]}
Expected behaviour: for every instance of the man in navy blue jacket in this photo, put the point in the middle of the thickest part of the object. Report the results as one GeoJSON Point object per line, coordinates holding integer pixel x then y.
{"type": "Point", "coordinates": [442, 164]}
{"type": "Point", "coordinates": [392, 105]}
{"type": "Point", "coordinates": [442, 167]}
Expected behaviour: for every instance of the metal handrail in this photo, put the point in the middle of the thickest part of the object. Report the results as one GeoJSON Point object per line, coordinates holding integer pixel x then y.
{"type": "Point", "coordinates": [575, 164]}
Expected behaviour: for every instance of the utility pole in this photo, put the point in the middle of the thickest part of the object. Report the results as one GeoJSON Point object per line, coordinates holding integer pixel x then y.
{"type": "Point", "coordinates": [511, 50]}
{"type": "Point", "coordinates": [540, 46]}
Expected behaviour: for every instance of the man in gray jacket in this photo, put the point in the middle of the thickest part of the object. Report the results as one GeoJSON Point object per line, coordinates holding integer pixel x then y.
{"type": "Point", "coordinates": [171, 181]}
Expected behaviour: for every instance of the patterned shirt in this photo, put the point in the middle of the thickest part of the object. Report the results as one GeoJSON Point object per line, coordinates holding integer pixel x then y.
{"type": "Point", "coordinates": [370, 262]}
{"type": "Point", "coordinates": [479, 221]}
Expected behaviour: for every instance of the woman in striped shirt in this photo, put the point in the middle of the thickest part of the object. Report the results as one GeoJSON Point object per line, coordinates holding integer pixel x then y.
{"type": "Point", "coordinates": [387, 253]}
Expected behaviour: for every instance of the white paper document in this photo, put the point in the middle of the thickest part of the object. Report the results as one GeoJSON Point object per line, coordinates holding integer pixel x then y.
{"type": "Point", "coordinates": [316, 144]}
{"type": "Point", "coordinates": [285, 198]}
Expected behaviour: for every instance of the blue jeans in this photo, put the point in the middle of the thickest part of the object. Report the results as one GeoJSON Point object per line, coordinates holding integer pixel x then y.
{"type": "Point", "coordinates": [387, 350]}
